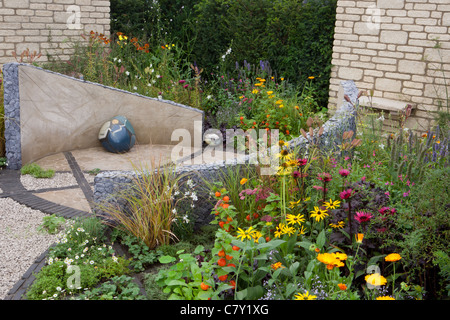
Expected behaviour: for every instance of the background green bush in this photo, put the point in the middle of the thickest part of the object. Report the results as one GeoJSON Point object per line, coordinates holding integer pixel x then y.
{"type": "Point", "coordinates": [296, 37]}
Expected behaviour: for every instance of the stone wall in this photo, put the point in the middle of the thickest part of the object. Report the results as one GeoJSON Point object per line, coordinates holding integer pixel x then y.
{"type": "Point", "coordinates": [49, 26]}
{"type": "Point", "coordinates": [391, 47]}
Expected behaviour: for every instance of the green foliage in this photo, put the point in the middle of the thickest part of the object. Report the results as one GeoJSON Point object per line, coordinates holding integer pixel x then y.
{"type": "Point", "coordinates": [52, 224]}
{"type": "Point", "coordinates": [296, 37]}
{"type": "Point", "coordinates": [442, 259]}
{"type": "Point", "coordinates": [188, 279]}
{"type": "Point", "coordinates": [407, 155]}
{"type": "Point", "coordinates": [47, 281]}
{"type": "Point", "coordinates": [80, 245]}
{"type": "Point", "coordinates": [36, 171]}
{"type": "Point", "coordinates": [142, 256]}
{"type": "Point", "coordinates": [117, 288]}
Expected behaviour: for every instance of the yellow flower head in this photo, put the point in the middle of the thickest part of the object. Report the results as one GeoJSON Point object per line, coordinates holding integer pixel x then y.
{"type": "Point", "coordinates": [288, 230]}
{"type": "Point", "coordinates": [295, 219]}
{"type": "Point", "coordinates": [338, 225]}
{"type": "Point", "coordinates": [269, 92]}
{"type": "Point", "coordinates": [393, 257]}
{"type": "Point", "coordinates": [332, 204]}
{"type": "Point", "coordinates": [243, 181]}
{"type": "Point", "coordinates": [305, 296]}
{"type": "Point", "coordinates": [256, 235]}
{"type": "Point", "coordinates": [318, 214]}
{"type": "Point", "coordinates": [375, 279]}
{"type": "Point", "coordinates": [385, 298]}
{"type": "Point", "coordinates": [276, 266]}
{"type": "Point", "coordinates": [247, 234]}
{"type": "Point", "coordinates": [359, 237]}
{"type": "Point", "coordinates": [332, 260]}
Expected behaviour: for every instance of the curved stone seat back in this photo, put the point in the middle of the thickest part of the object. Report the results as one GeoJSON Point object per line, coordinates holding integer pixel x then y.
{"type": "Point", "coordinates": [47, 113]}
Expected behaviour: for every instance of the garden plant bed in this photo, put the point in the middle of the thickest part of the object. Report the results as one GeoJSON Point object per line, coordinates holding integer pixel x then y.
{"type": "Point", "coordinates": [348, 212]}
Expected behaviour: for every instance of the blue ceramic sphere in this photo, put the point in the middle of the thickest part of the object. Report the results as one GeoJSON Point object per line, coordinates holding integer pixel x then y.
{"type": "Point", "coordinates": [117, 135]}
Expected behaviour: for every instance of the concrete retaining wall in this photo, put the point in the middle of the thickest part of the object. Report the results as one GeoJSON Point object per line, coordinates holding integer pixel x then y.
{"type": "Point", "coordinates": [48, 113]}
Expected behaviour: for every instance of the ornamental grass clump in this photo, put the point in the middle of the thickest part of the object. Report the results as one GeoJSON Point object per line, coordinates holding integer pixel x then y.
{"type": "Point", "coordinates": [150, 206]}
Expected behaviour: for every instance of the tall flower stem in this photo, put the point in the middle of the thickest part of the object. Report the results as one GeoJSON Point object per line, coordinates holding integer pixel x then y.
{"type": "Point", "coordinates": [324, 191]}
{"type": "Point", "coordinates": [283, 198]}
{"type": "Point", "coordinates": [393, 282]}
{"type": "Point", "coordinates": [349, 217]}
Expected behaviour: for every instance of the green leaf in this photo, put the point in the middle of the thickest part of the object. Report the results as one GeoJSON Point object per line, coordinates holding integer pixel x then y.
{"type": "Point", "coordinates": [304, 244]}
{"type": "Point", "coordinates": [272, 244]}
{"type": "Point", "coordinates": [166, 259]}
{"type": "Point", "coordinates": [308, 275]}
{"type": "Point", "coordinates": [199, 249]}
{"type": "Point", "coordinates": [204, 295]}
{"type": "Point", "coordinates": [290, 289]}
{"type": "Point", "coordinates": [261, 257]}
{"type": "Point", "coordinates": [375, 259]}
{"type": "Point", "coordinates": [240, 295]}
{"type": "Point", "coordinates": [253, 293]}
{"type": "Point", "coordinates": [294, 267]}
{"type": "Point", "coordinates": [359, 273]}
{"type": "Point", "coordinates": [321, 239]}
{"type": "Point", "coordinates": [273, 197]}
{"type": "Point", "coordinates": [177, 283]}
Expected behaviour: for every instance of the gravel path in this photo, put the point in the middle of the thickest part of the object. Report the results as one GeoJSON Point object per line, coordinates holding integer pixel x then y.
{"type": "Point", "coordinates": [59, 180]}
{"type": "Point", "coordinates": [20, 241]}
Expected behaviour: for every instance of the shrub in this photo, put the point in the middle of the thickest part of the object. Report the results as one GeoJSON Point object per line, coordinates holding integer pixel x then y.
{"type": "Point", "coordinates": [296, 37]}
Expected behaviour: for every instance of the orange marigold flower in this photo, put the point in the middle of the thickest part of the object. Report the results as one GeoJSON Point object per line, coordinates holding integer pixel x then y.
{"type": "Point", "coordinates": [342, 286]}
{"type": "Point", "coordinates": [393, 257]}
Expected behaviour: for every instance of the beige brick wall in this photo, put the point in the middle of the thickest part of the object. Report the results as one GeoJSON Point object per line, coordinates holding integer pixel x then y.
{"type": "Point", "coordinates": [49, 26]}
{"type": "Point", "coordinates": [389, 46]}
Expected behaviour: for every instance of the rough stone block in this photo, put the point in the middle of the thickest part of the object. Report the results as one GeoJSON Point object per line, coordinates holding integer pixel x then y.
{"type": "Point", "coordinates": [350, 73]}
{"type": "Point", "coordinates": [389, 85]}
{"type": "Point", "coordinates": [16, 4]}
{"type": "Point", "coordinates": [394, 37]}
{"type": "Point", "coordinates": [413, 67]}
{"type": "Point", "coordinates": [390, 4]}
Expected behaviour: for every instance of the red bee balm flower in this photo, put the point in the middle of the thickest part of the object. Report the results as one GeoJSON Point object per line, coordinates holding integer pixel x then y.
{"type": "Point", "coordinates": [344, 172]}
